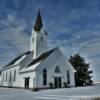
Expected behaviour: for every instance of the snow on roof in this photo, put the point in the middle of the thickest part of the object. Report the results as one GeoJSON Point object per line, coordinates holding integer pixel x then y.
{"type": "Point", "coordinates": [29, 69]}
{"type": "Point", "coordinates": [17, 58]}
{"type": "Point", "coordinates": [42, 57]}
{"type": "Point", "coordinates": [36, 62]}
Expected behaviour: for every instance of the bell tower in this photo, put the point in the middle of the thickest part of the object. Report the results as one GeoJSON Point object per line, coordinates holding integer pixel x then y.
{"type": "Point", "coordinates": [38, 41]}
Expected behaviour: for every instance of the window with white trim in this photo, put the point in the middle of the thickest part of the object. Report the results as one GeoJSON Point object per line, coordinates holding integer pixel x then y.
{"type": "Point", "coordinates": [44, 76]}
{"type": "Point", "coordinates": [57, 69]}
{"type": "Point", "coordinates": [14, 75]}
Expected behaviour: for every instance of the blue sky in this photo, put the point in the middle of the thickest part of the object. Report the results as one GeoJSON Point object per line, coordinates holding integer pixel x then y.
{"type": "Point", "coordinates": [74, 25]}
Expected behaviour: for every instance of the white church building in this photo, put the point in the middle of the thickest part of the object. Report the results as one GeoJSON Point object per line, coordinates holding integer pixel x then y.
{"type": "Point", "coordinates": [39, 66]}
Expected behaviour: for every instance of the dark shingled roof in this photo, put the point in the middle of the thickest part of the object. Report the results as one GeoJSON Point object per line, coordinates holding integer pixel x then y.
{"type": "Point", "coordinates": [17, 58]}
{"type": "Point", "coordinates": [41, 57]}
{"type": "Point", "coordinates": [38, 23]}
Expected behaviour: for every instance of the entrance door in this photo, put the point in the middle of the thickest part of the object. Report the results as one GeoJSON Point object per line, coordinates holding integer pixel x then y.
{"type": "Point", "coordinates": [57, 81]}
{"type": "Point", "coordinates": [27, 82]}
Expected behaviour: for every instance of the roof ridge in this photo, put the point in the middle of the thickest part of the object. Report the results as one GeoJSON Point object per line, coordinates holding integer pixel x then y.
{"type": "Point", "coordinates": [41, 57]}
{"type": "Point", "coordinates": [16, 58]}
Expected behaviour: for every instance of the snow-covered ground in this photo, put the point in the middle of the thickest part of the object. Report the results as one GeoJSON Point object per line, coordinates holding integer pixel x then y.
{"type": "Point", "coordinates": [51, 94]}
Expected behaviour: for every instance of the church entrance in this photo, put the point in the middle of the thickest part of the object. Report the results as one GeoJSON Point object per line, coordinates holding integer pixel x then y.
{"type": "Point", "coordinates": [27, 82]}
{"type": "Point", "coordinates": [57, 82]}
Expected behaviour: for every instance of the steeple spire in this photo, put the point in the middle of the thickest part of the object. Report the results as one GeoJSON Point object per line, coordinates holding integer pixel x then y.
{"type": "Point", "coordinates": [38, 42]}
{"type": "Point", "coordinates": [38, 23]}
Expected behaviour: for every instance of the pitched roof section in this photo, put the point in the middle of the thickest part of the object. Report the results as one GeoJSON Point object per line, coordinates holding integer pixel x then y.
{"type": "Point", "coordinates": [38, 23]}
{"type": "Point", "coordinates": [41, 57]}
{"type": "Point", "coordinates": [17, 58]}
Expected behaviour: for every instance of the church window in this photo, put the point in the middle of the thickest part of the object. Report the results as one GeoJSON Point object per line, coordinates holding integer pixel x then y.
{"type": "Point", "coordinates": [34, 82]}
{"type": "Point", "coordinates": [41, 38]}
{"type": "Point", "coordinates": [6, 77]}
{"type": "Point", "coordinates": [3, 77]}
{"type": "Point", "coordinates": [32, 52]}
{"type": "Point", "coordinates": [68, 76]}
{"type": "Point", "coordinates": [33, 39]}
{"type": "Point", "coordinates": [44, 76]}
{"type": "Point", "coordinates": [14, 75]}
{"type": "Point", "coordinates": [57, 70]}
{"type": "Point", "coordinates": [10, 77]}
{"type": "Point", "coordinates": [0, 73]}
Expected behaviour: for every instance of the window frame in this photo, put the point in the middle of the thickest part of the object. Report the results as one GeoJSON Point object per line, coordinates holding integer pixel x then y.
{"type": "Point", "coordinates": [68, 76]}
{"type": "Point", "coordinates": [14, 75]}
{"type": "Point", "coordinates": [41, 38]}
{"type": "Point", "coordinates": [6, 77]}
{"type": "Point", "coordinates": [32, 39]}
{"type": "Point", "coordinates": [10, 76]}
{"type": "Point", "coordinates": [44, 76]}
{"type": "Point", "coordinates": [57, 69]}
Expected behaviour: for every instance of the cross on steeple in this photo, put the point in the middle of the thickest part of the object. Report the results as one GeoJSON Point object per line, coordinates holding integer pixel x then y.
{"type": "Point", "coordinates": [38, 23]}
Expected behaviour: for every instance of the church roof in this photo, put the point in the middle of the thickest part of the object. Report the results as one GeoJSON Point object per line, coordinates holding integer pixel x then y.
{"type": "Point", "coordinates": [42, 57]}
{"type": "Point", "coordinates": [38, 23]}
{"type": "Point", "coordinates": [17, 58]}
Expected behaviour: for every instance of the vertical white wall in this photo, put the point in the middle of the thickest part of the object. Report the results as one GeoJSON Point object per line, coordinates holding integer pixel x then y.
{"type": "Point", "coordinates": [55, 59]}
{"type": "Point", "coordinates": [38, 42]}
{"type": "Point", "coordinates": [36, 78]}
{"type": "Point", "coordinates": [32, 79]}
{"type": "Point", "coordinates": [19, 79]}
{"type": "Point", "coordinates": [10, 74]}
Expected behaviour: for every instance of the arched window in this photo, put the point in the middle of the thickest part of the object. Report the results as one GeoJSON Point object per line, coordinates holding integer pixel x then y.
{"type": "Point", "coordinates": [33, 39]}
{"type": "Point", "coordinates": [57, 70]}
{"type": "Point", "coordinates": [3, 77]}
{"type": "Point", "coordinates": [68, 76]}
{"type": "Point", "coordinates": [44, 76]}
{"type": "Point", "coordinates": [14, 75]}
{"type": "Point", "coordinates": [6, 76]}
{"type": "Point", "coordinates": [41, 38]}
{"type": "Point", "coordinates": [10, 77]}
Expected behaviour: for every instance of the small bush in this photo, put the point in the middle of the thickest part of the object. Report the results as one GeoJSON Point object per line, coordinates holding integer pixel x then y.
{"type": "Point", "coordinates": [35, 89]}
{"type": "Point", "coordinates": [65, 84]}
{"type": "Point", "coordinates": [51, 84]}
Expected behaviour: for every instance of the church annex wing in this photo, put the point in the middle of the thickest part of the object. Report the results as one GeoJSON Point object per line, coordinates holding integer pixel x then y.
{"type": "Point", "coordinates": [16, 59]}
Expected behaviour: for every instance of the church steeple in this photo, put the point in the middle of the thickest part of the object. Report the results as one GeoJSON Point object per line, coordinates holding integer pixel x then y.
{"type": "Point", "coordinates": [38, 23]}
{"type": "Point", "coordinates": [38, 41]}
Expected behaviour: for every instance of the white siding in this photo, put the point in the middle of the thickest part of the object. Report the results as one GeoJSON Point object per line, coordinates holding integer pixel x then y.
{"type": "Point", "coordinates": [55, 59]}
{"type": "Point", "coordinates": [36, 76]}
{"type": "Point", "coordinates": [19, 79]}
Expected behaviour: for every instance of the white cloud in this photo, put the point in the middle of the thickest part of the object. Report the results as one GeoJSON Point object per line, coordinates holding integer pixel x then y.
{"type": "Point", "coordinates": [14, 40]}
